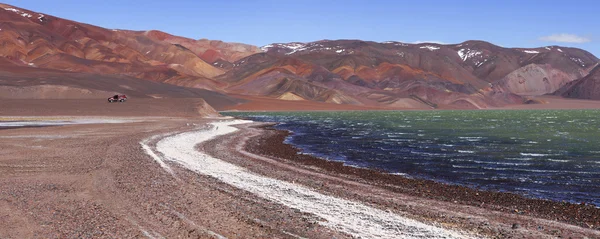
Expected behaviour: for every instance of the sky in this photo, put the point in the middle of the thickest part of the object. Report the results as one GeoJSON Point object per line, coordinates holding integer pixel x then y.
{"type": "Point", "coordinates": [508, 23]}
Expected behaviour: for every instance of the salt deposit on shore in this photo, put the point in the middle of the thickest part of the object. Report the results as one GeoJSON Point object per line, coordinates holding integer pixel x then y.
{"type": "Point", "coordinates": [354, 218]}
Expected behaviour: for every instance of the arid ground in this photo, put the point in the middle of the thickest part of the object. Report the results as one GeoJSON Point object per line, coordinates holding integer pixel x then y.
{"type": "Point", "coordinates": [122, 174]}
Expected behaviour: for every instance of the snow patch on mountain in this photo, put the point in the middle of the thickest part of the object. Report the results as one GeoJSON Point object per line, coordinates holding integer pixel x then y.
{"type": "Point", "coordinates": [429, 47]}
{"type": "Point", "coordinates": [266, 48]}
{"type": "Point", "coordinates": [475, 56]}
{"type": "Point", "coordinates": [467, 53]}
{"type": "Point", "coordinates": [531, 52]}
{"type": "Point", "coordinates": [480, 63]}
{"type": "Point", "coordinates": [17, 11]}
{"type": "Point", "coordinates": [578, 61]}
{"type": "Point", "coordinates": [292, 48]}
{"type": "Point", "coordinates": [395, 43]}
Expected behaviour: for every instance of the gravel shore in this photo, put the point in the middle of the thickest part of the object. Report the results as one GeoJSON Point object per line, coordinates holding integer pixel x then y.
{"type": "Point", "coordinates": [588, 216]}
{"type": "Point", "coordinates": [490, 214]}
{"type": "Point", "coordinates": [98, 181]}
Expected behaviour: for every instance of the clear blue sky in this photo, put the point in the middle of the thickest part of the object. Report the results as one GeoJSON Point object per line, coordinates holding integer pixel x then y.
{"type": "Point", "coordinates": [509, 23]}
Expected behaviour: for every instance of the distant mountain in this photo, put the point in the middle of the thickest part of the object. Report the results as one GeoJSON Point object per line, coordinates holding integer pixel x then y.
{"type": "Point", "coordinates": [473, 74]}
{"type": "Point", "coordinates": [218, 53]}
{"type": "Point", "coordinates": [585, 88]}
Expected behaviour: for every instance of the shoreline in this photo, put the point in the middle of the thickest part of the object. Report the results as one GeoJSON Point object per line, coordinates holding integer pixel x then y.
{"type": "Point", "coordinates": [547, 102]}
{"type": "Point", "coordinates": [272, 144]}
{"type": "Point", "coordinates": [348, 216]}
{"type": "Point", "coordinates": [98, 180]}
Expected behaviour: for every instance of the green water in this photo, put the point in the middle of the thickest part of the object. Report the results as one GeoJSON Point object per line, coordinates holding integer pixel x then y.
{"type": "Point", "coordinates": [551, 154]}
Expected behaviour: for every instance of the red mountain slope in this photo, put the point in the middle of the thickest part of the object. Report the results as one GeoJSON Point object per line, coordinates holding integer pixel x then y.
{"type": "Point", "coordinates": [473, 74]}
{"type": "Point", "coordinates": [218, 53]}
{"type": "Point", "coordinates": [43, 41]}
{"type": "Point", "coordinates": [585, 88]}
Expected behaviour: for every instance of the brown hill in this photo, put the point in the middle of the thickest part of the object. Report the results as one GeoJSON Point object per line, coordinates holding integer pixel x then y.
{"type": "Point", "coordinates": [585, 88]}
{"type": "Point", "coordinates": [44, 41]}
{"type": "Point", "coordinates": [473, 74]}
{"type": "Point", "coordinates": [218, 53]}
{"type": "Point", "coordinates": [23, 82]}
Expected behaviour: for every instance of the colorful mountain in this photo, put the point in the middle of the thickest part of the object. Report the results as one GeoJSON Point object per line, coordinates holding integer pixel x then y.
{"type": "Point", "coordinates": [472, 74]}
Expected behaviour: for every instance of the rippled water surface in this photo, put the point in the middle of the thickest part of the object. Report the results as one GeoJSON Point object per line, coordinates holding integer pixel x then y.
{"type": "Point", "coordinates": [552, 154]}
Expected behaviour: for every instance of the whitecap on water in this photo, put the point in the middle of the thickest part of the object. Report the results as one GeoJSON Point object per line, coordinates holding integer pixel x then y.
{"type": "Point", "coordinates": [463, 166]}
{"type": "Point", "coordinates": [502, 163]}
{"type": "Point", "coordinates": [521, 159]}
{"type": "Point", "coordinates": [472, 173]}
{"type": "Point", "coordinates": [535, 154]}
{"type": "Point", "coordinates": [471, 139]}
{"type": "Point", "coordinates": [466, 151]}
{"type": "Point", "coordinates": [428, 154]}
{"type": "Point", "coordinates": [540, 170]}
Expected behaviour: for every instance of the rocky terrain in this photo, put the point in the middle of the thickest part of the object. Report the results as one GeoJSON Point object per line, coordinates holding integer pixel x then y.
{"type": "Point", "coordinates": [472, 74]}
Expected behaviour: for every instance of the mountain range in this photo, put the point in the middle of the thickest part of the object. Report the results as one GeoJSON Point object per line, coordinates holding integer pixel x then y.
{"type": "Point", "coordinates": [43, 56]}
